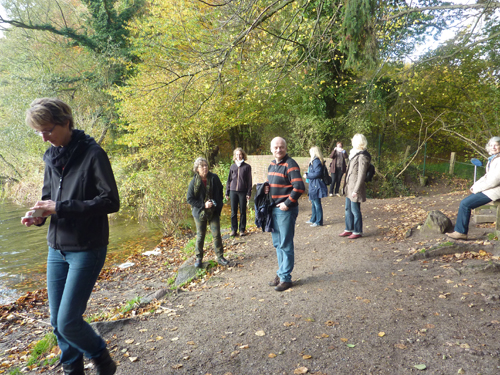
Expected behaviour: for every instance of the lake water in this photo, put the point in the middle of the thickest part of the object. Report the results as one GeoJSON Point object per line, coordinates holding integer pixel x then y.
{"type": "Point", "coordinates": [23, 250]}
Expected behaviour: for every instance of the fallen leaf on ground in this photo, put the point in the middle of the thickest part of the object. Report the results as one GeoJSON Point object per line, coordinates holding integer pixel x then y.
{"type": "Point", "coordinates": [344, 339]}
{"type": "Point", "coordinates": [331, 323]}
{"type": "Point", "coordinates": [129, 341]}
{"type": "Point", "coordinates": [400, 346]}
{"type": "Point", "coordinates": [301, 370]}
{"type": "Point", "coordinates": [323, 336]}
{"type": "Point", "coordinates": [381, 334]}
{"type": "Point", "coordinates": [272, 355]}
{"type": "Point", "coordinates": [260, 333]}
{"type": "Point", "coordinates": [132, 359]}
{"type": "Point", "coordinates": [306, 356]}
{"type": "Point", "coordinates": [420, 367]}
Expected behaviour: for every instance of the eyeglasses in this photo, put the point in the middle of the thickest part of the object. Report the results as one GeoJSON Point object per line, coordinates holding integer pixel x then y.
{"type": "Point", "coordinates": [46, 132]}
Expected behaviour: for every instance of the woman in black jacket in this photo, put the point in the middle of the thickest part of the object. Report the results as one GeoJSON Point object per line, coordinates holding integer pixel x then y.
{"type": "Point", "coordinates": [78, 193]}
{"type": "Point", "coordinates": [239, 190]}
{"type": "Point", "coordinates": [205, 193]}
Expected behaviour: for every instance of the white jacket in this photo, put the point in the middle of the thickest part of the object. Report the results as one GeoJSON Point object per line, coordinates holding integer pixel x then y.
{"type": "Point", "coordinates": [489, 184]}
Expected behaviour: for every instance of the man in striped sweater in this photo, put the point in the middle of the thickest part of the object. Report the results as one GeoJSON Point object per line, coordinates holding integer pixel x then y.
{"type": "Point", "coordinates": [286, 187]}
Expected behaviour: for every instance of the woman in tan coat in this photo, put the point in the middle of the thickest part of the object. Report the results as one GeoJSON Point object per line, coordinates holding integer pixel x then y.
{"type": "Point", "coordinates": [484, 190]}
{"type": "Point", "coordinates": [355, 187]}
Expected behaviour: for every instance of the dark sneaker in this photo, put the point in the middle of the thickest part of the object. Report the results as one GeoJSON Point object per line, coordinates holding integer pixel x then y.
{"type": "Point", "coordinates": [198, 263]}
{"type": "Point", "coordinates": [223, 261]}
{"type": "Point", "coordinates": [283, 286]}
{"type": "Point", "coordinates": [242, 234]}
{"type": "Point", "coordinates": [233, 234]}
{"type": "Point", "coordinates": [275, 282]}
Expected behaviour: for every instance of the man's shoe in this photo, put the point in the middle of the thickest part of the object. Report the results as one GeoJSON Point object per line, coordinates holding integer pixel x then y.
{"type": "Point", "coordinates": [75, 368]}
{"type": "Point", "coordinates": [233, 234]}
{"type": "Point", "coordinates": [457, 236]}
{"type": "Point", "coordinates": [314, 225]}
{"type": "Point", "coordinates": [104, 364]}
{"type": "Point", "coordinates": [354, 236]}
{"type": "Point", "coordinates": [275, 282]}
{"type": "Point", "coordinates": [198, 263]}
{"type": "Point", "coordinates": [242, 234]}
{"type": "Point", "coordinates": [223, 261]}
{"type": "Point", "coordinates": [308, 222]}
{"type": "Point", "coordinates": [283, 286]}
{"type": "Point", "coordinates": [331, 195]}
{"type": "Point", "coordinates": [345, 234]}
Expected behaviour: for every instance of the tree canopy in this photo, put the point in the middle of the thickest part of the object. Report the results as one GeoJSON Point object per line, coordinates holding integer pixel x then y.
{"type": "Point", "coordinates": [161, 82]}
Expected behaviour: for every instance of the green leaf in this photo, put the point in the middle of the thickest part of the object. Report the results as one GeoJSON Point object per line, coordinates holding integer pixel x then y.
{"type": "Point", "coordinates": [351, 345]}
{"type": "Point", "coordinates": [420, 367]}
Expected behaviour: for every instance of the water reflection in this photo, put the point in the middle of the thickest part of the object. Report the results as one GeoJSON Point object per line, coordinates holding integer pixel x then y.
{"type": "Point", "coordinates": [23, 250]}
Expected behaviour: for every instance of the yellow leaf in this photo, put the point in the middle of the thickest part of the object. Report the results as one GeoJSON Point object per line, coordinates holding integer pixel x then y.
{"type": "Point", "coordinates": [129, 341]}
{"type": "Point", "coordinates": [272, 355]}
{"type": "Point", "coordinates": [306, 356]}
{"type": "Point", "coordinates": [260, 333]}
{"type": "Point", "coordinates": [301, 370]}
{"type": "Point", "coordinates": [344, 339]}
{"type": "Point", "coordinates": [381, 334]}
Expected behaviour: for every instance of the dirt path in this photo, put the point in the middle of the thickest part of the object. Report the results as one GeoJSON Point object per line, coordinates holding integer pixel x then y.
{"type": "Point", "coordinates": [357, 306]}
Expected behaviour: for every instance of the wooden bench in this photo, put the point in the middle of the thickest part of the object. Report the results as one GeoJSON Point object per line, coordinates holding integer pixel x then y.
{"type": "Point", "coordinates": [489, 217]}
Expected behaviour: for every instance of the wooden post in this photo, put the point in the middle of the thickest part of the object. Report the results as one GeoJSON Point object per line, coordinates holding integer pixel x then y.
{"type": "Point", "coordinates": [407, 152]}
{"type": "Point", "coordinates": [452, 162]}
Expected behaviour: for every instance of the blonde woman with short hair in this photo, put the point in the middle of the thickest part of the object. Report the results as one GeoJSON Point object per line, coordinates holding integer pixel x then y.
{"type": "Point", "coordinates": [355, 187]}
{"type": "Point", "coordinates": [317, 188]}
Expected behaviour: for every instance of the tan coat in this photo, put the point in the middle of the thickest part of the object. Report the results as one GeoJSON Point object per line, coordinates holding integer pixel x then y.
{"type": "Point", "coordinates": [489, 184]}
{"type": "Point", "coordinates": [355, 177]}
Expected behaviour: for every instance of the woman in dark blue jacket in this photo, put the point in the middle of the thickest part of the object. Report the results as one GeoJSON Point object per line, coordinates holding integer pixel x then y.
{"type": "Point", "coordinates": [317, 188]}
{"type": "Point", "coordinates": [79, 191]}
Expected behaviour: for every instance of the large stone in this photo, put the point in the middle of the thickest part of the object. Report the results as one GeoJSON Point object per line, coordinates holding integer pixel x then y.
{"type": "Point", "coordinates": [436, 223]}
{"type": "Point", "coordinates": [186, 272]}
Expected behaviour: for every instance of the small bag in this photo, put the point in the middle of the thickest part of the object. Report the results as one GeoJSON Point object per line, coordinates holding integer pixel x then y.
{"type": "Point", "coordinates": [327, 179]}
{"type": "Point", "coordinates": [370, 173]}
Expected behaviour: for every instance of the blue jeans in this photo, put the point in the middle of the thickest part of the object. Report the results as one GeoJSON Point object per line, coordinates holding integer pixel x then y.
{"type": "Point", "coordinates": [317, 211]}
{"type": "Point", "coordinates": [283, 233]}
{"type": "Point", "coordinates": [464, 211]}
{"type": "Point", "coordinates": [353, 219]}
{"type": "Point", "coordinates": [201, 231]}
{"type": "Point", "coordinates": [71, 276]}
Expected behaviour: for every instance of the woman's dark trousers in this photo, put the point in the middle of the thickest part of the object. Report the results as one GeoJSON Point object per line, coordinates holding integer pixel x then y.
{"type": "Point", "coordinates": [238, 198]}
{"type": "Point", "coordinates": [336, 178]}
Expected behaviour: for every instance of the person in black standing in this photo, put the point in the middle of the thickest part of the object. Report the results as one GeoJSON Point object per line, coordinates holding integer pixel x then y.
{"type": "Point", "coordinates": [239, 190]}
{"type": "Point", "coordinates": [79, 191]}
{"type": "Point", "coordinates": [338, 167]}
{"type": "Point", "coordinates": [205, 193]}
